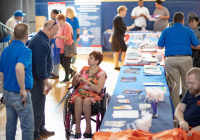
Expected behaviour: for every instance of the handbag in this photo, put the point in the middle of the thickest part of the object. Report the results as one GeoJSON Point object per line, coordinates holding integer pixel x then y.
{"type": "Point", "coordinates": [70, 50]}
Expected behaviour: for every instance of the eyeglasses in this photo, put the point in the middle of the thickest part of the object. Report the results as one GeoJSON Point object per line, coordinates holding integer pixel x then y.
{"type": "Point", "coordinates": [53, 24]}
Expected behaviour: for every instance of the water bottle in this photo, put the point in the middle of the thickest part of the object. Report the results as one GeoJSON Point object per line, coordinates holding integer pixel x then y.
{"type": "Point", "coordinates": [158, 66]}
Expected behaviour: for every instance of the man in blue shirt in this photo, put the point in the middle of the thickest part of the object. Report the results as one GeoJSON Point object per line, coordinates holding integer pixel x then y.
{"type": "Point", "coordinates": [177, 41]}
{"type": "Point", "coordinates": [188, 111]}
{"type": "Point", "coordinates": [17, 80]}
{"type": "Point", "coordinates": [42, 69]}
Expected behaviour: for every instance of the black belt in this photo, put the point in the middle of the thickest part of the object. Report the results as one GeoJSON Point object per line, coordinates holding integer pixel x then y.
{"type": "Point", "coordinates": [181, 55]}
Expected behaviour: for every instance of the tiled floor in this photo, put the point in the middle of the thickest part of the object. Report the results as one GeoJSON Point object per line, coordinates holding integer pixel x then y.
{"type": "Point", "coordinates": [54, 114]}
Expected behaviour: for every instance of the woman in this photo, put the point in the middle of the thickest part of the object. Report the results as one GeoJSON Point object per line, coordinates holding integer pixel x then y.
{"type": "Point", "coordinates": [195, 25]}
{"type": "Point", "coordinates": [90, 82]}
{"type": "Point", "coordinates": [162, 22]}
{"type": "Point", "coordinates": [56, 51]}
{"type": "Point", "coordinates": [63, 37]}
{"type": "Point", "coordinates": [118, 43]}
{"type": "Point", "coordinates": [73, 21]}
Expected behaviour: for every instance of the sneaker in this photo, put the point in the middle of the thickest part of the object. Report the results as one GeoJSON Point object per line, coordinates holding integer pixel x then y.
{"type": "Point", "coordinates": [53, 76]}
{"type": "Point", "coordinates": [46, 133]}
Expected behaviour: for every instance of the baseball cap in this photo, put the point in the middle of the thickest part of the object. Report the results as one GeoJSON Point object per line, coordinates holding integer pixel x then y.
{"type": "Point", "coordinates": [19, 13]}
{"type": "Point", "coordinates": [192, 16]}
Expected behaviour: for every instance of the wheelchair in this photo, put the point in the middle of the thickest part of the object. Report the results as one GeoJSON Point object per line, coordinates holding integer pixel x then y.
{"type": "Point", "coordinates": [98, 110]}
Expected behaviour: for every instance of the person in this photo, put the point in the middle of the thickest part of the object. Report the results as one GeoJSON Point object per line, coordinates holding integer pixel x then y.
{"type": "Point", "coordinates": [73, 21]}
{"type": "Point", "coordinates": [118, 43]}
{"type": "Point", "coordinates": [63, 37]}
{"type": "Point", "coordinates": [188, 111]}
{"type": "Point", "coordinates": [140, 14]}
{"type": "Point", "coordinates": [162, 23]}
{"type": "Point", "coordinates": [85, 38]}
{"type": "Point", "coordinates": [56, 51]}
{"type": "Point", "coordinates": [195, 25]}
{"type": "Point", "coordinates": [14, 20]}
{"type": "Point", "coordinates": [90, 82]}
{"type": "Point", "coordinates": [4, 38]}
{"type": "Point", "coordinates": [177, 41]}
{"type": "Point", "coordinates": [41, 69]}
{"type": "Point", "coordinates": [17, 80]}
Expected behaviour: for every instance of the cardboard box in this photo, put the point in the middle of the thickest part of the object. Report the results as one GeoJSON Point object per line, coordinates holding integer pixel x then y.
{"type": "Point", "coordinates": [38, 28]}
{"type": "Point", "coordinates": [40, 20]}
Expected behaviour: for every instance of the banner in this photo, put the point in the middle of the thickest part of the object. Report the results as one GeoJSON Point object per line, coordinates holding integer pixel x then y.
{"type": "Point", "coordinates": [56, 5]}
{"type": "Point", "coordinates": [89, 16]}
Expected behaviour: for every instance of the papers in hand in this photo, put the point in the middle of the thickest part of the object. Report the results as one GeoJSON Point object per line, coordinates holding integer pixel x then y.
{"type": "Point", "coordinates": [125, 114]}
{"type": "Point", "coordinates": [154, 17]}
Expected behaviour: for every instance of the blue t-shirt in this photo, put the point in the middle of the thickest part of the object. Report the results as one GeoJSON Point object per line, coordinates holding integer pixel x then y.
{"type": "Point", "coordinates": [177, 40]}
{"type": "Point", "coordinates": [75, 25]}
{"type": "Point", "coordinates": [11, 55]}
{"type": "Point", "coordinates": [42, 64]}
{"type": "Point", "coordinates": [192, 111]}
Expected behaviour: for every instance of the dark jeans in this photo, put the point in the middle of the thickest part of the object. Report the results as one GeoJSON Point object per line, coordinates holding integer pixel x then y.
{"type": "Point", "coordinates": [65, 62]}
{"type": "Point", "coordinates": [38, 100]}
{"type": "Point", "coordinates": [138, 28]}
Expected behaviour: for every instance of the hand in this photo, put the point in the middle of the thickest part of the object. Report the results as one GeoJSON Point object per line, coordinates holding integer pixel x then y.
{"type": "Point", "coordinates": [184, 125]}
{"type": "Point", "coordinates": [23, 94]}
{"type": "Point", "coordinates": [133, 26]}
{"type": "Point", "coordinates": [49, 86]}
{"type": "Point", "coordinates": [161, 17]}
{"type": "Point", "coordinates": [56, 36]}
{"type": "Point", "coordinates": [141, 15]}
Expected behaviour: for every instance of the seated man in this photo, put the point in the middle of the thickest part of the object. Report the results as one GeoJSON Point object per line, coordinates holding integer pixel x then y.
{"type": "Point", "coordinates": [90, 82]}
{"type": "Point", "coordinates": [188, 111]}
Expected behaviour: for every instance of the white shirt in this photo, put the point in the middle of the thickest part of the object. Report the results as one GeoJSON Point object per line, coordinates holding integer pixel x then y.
{"type": "Point", "coordinates": [140, 21]}
{"type": "Point", "coordinates": [11, 23]}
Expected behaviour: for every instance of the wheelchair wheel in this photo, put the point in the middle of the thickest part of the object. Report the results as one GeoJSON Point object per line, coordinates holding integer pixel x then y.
{"type": "Point", "coordinates": [68, 118]}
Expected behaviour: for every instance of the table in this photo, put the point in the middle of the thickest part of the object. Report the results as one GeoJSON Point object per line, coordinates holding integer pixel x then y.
{"type": "Point", "coordinates": [140, 78]}
{"type": "Point", "coordinates": [164, 110]}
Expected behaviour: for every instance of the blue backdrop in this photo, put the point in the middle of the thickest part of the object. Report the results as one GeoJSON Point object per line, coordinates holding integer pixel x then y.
{"type": "Point", "coordinates": [109, 10]}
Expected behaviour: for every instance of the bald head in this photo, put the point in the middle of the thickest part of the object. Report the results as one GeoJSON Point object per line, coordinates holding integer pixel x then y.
{"type": "Point", "coordinates": [21, 31]}
{"type": "Point", "coordinates": [50, 28]}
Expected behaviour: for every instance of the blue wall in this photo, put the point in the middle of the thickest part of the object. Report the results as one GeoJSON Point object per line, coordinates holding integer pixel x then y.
{"type": "Point", "coordinates": [109, 10]}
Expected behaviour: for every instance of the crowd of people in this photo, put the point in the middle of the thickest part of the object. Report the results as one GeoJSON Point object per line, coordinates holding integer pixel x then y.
{"type": "Point", "coordinates": [25, 74]}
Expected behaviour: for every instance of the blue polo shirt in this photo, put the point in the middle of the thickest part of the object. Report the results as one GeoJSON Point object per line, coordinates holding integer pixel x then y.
{"type": "Point", "coordinates": [75, 25]}
{"type": "Point", "coordinates": [42, 64]}
{"type": "Point", "coordinates": [192, 111]}
{"type": "Point", "coordinates": [177, 40]}
{"type": "Point", "coordinates": [11, 55]}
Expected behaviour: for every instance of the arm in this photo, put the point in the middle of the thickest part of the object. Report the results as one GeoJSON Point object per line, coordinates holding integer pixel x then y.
{"type": "Point", "coordinates": [1, 78]}
{"type": "Point", "coordinates": [75, 80]}
{"type": "Point", "coordinates": [62, 37]}
{"type": "Point", "coordinates": [196, 48]}
{"type": "Point", "coordinates": [180, 117]}
{"type": "Point", "coordinates": [20, 74]}
{"type": "Point", "coordinates": [166, 14]}
{"type": "Point", "coordinates": [130, 27]}
{"type": "Point", "coordinates": [100, 84]}
{"type": "Point", "coordinates": [78, 33]}
{"type": "Point", "coordinates": [46, 82]}
{"type": "Point", "coordinates": [197, 128]}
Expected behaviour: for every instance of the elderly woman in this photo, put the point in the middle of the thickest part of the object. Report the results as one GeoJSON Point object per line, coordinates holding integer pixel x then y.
{"type": "Point", "coordinates": [63, 37]}
{"type": "Point", "coordinates": [162, 23]}
{"type": "Point", "coordinates": [118, 43]}
{"type": "Point", "coordinates": [90, 82]}
{"type": "Point", "coordinates": [73, 21]}
{"type": "Point", "coordinates": [195, 25]}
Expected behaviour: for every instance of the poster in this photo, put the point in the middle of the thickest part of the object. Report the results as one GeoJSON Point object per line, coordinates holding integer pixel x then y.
{"type": "Point", "coordinates": [89, 16]}
{"type": "Point", "coordinates": [56, 5]}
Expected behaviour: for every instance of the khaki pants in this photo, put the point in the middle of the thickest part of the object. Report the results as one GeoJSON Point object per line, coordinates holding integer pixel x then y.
{"type": "Point", "coordinates": [176, 68]}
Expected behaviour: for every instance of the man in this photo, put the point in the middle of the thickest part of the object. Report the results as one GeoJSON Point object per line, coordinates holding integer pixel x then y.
{"type": "Point", "coordinates": [177, 41]}
{"type": "Point", "coordinates": [14, 20]}
{"type": "Point", "coordinates": [41, 68]}
{"type": "Point", "coordinates": [188, 111]}
{"type": "Point", "coordinates": [140, 14]}
{"type": "Point", "coordinates": [17, 80]}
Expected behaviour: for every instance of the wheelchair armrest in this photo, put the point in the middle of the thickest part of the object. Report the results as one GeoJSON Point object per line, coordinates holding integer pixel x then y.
{"type": "Point", "coordinates": [105, 101]}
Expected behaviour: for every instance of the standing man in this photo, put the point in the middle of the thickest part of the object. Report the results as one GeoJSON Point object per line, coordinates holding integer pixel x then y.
{"type": "Point", "coordinates": [14, 20]}
{"type": "Point", "coordinates": [140, 14]}
{"type": "Point", "coordinates": [41, 68]}
{"type": "Point", "coordinates": [17, 80]}
{"type": "Point", "coordinates": [177, 41]}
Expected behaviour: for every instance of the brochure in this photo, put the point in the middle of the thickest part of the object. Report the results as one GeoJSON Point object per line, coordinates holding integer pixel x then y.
{"type": "Point", "coordinates": [115, 123]}
{"type": "Point", "coordinates": [124, 101]}
{"type": "Point", "coordinates": [131, 70]}
{"type": "Point", "coordinates": [122, 107]}
{"type": "Point", "coordinates": [132, 91]}
{"type": "Point", "coordinates": [128, 79]}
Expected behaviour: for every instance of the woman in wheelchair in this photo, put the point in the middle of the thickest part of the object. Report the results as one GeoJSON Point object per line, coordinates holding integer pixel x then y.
{"type": "Point", "coordinates": [89, 82]}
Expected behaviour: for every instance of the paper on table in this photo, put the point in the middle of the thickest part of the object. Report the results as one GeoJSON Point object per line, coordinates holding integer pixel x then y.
{"type": "Point", "coordinates": [125, 114]}
{"type": "Point", "coordinates": [114, 130]}
{"type": "Point", "coordinates": [122, 107]}
{"type": "Point", "coordinates": [153, 84]}
{"type": "Point", "coordinates": [115, 123]}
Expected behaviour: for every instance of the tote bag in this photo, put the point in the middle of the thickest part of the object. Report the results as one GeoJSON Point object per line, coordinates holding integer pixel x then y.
{"type": "Point", "coordinates": [70, 50]}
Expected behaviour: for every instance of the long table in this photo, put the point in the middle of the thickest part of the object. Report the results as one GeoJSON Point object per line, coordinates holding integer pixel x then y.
{"type": "Point", "coordinates": [140, 78]}
{"type": "Point", "coordinates": [163, 122]}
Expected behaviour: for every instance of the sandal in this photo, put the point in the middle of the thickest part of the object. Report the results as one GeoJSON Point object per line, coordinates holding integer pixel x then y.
{"type": "Point", "coordinates": [78, 135]}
